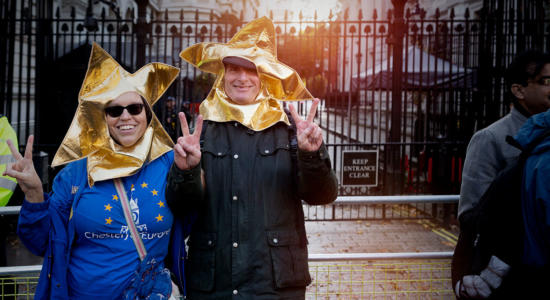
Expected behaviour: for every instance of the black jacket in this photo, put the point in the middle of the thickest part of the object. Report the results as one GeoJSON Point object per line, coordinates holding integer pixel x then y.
{"type": "Point", "coordinates": [249, 240]}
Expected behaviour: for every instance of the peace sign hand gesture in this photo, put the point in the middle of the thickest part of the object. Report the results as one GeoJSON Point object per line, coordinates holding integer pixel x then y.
{"type": "Point", "coordinates": [187, 150]}
{"type": "Point", "coordinates": [23, 170]}
{"type": "Point", "coordinates": [309, 135]}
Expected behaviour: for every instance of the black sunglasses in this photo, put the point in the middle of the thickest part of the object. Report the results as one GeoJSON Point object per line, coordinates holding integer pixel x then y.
{"type": "Point", "coordinates": [116, 111]}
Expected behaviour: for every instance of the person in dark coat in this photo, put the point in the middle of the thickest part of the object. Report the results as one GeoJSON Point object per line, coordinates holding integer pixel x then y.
{"type": "Point", "coordinates": [258, 163]}
{"type": "Point", "coordinates": [488, 154]}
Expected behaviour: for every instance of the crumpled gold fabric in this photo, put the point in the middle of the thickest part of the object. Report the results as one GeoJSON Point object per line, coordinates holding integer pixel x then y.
{"type": "Point", "coordinates": [257, 43]}
{"type": "Point", "coordinates": [88, 135]}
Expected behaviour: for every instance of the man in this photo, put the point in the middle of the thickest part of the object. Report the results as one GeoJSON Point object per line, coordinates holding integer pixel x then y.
{"type": "Point", "coordinates": [171, 117]}
{"type": "Point", "coordinates": [249, 239]}
{"type": "Point", "coordinates": [186, 109]}
{"type": "Point", "coordinates": [488, 153]}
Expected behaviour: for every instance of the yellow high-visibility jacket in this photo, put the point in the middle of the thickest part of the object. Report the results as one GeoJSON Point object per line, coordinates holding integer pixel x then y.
{"type": "Point", "coordinates": [7, 184]}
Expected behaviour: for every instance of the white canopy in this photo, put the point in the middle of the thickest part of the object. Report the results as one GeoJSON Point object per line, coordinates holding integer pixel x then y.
{"type": "Point", "coordinates": [420, 70]}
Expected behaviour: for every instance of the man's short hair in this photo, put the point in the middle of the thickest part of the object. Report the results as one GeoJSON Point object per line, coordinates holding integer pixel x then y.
{"type": "Point", "coordinates": [525, 67]}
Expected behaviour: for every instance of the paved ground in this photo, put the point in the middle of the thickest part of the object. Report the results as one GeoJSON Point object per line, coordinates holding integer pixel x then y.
{"type": "Point", "coordinates": [378, 236]}
{"type": "Point", "coordinates": [386, 279]}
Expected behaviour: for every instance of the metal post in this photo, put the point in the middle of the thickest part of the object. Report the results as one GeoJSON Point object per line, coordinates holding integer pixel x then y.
{"type": "Point", "coordinates": [395, 184]}
{"type": "Point", "coordinates": [44, 54]}
{"type": "Point", "coordinates": [6, 25]}
{"type": "Point", "coordinates": [488, 113]}
{"type": "Point", "coordinates": [142, 29]}
{"type": "Point", "coordinates": [398, 33]}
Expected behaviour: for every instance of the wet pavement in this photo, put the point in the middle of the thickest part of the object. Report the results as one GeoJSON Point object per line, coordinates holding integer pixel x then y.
{"type": "Point", "coordinates": [379, 236]}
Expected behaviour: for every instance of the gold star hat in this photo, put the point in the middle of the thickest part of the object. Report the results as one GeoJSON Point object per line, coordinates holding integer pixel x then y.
{"type": "Point", "coordinates": [256, 43]}
{"type": "Point", "coordinates": [88, 135]}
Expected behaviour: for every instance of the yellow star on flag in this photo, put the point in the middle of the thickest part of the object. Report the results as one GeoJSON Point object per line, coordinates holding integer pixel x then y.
{"type": "Point", "coordinates": [159, 218]}
{"type": "Point", "coordinates": [160, 204]}
{"type": "Point", "coordinates": [115, 197]}
{"type": "Point", "coordinates": [108, 221]}
{"type": "Point", "coordinates": [108, 207]}
{"type": "Point", "coordinates": [144, 185]}
{"type": "Point", "coordinates": [155, 192]}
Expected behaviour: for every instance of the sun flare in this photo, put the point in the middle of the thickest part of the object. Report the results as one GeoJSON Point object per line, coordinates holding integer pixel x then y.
{"type": "Point", "coordinates": [307, 8]}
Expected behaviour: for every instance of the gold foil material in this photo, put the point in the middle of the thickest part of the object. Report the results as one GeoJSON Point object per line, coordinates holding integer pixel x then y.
{"type": "Point", "coordinates": [88, 135]}
{"type": "Point", "coordinates": [257, 43]}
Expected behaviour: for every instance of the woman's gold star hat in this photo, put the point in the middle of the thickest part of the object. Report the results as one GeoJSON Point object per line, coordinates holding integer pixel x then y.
{"type": "Point", "coordinates": [256, 42]}
{"type": "Point", "coordinates": [88, 135]}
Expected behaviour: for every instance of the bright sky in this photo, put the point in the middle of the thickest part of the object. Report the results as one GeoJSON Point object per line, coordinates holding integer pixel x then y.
{"type": "Point", "coordinates": [308, 8]}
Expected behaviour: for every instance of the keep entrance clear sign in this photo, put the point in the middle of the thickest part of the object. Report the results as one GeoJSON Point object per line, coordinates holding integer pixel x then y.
{"type": "Point", "coordinates": [360, 168]}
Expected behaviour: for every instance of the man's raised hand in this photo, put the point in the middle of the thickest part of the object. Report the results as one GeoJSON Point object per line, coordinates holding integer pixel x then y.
{"type": "Point", "coordinates": [309, 135]}
{"type": "Point", "coordinates": [187, 150]}
{"type": "Point", "coordinates": [23, 170]}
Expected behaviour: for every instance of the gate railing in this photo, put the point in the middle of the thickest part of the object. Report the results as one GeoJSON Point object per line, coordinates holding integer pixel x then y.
{"type": "Point", "coordinates": [351, 208]}
{"type": "Point", "coordinates": [450, 85]}
{"type": "Point", "coordinates": [347, 208]}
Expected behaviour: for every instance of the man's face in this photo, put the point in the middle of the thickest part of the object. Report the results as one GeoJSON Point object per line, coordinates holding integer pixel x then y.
{"type": "Point", "coordinates": [170, 104]}
{"type": "Point", "coordinates": [242, 85]}
{"type": "Point", "coordinates": [536, 95]}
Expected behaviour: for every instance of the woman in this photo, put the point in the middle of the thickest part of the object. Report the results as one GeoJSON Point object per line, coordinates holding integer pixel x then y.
{"type": "Point", "coordinates": [82, 228]}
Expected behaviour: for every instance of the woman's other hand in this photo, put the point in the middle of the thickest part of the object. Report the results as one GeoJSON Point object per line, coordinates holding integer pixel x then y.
{"type": "Point", "coordinates": [23, 170]}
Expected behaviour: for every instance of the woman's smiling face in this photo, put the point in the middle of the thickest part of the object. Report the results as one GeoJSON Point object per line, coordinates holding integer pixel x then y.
{"type": "Point", "coordinates": [127, 128]}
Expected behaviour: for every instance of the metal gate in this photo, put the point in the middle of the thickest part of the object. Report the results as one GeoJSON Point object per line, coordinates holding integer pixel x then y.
{"type": "Point", "coordinates": [412, 87]}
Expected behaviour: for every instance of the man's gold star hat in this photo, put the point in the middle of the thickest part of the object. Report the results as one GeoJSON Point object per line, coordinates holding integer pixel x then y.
{"type": "Point", "coordinates": [88, 135]}
{"type": "Point", "coordinates": [256, 43]}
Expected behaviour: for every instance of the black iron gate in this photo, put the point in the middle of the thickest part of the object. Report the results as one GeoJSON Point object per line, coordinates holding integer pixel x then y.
{"type": "Point", "coordinates": [419, 116]}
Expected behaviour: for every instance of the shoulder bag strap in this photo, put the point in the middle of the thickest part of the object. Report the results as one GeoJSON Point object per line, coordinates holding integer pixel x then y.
{"type": "Point", "coordinates": [128, 216]}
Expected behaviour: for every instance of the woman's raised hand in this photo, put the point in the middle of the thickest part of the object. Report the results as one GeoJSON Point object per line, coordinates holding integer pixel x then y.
{"type": "Point", "coordinates": [187, 151]}
{"type": "Point", "coordinates": [309, 135]}
{"type": "Point", "coordinates": [23, 170]}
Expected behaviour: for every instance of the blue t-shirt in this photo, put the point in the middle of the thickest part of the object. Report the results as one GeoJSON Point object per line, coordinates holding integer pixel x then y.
{"type": "Point", "coordinates": [104, 257]}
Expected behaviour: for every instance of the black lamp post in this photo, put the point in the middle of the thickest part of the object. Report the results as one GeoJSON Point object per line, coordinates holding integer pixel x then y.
{"type": "Point", "coordinates": [142, 28]}
{"type": "Point", "coordinates": [90, 22]}
{"type": "Point", "coordinates": [394, 183]}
